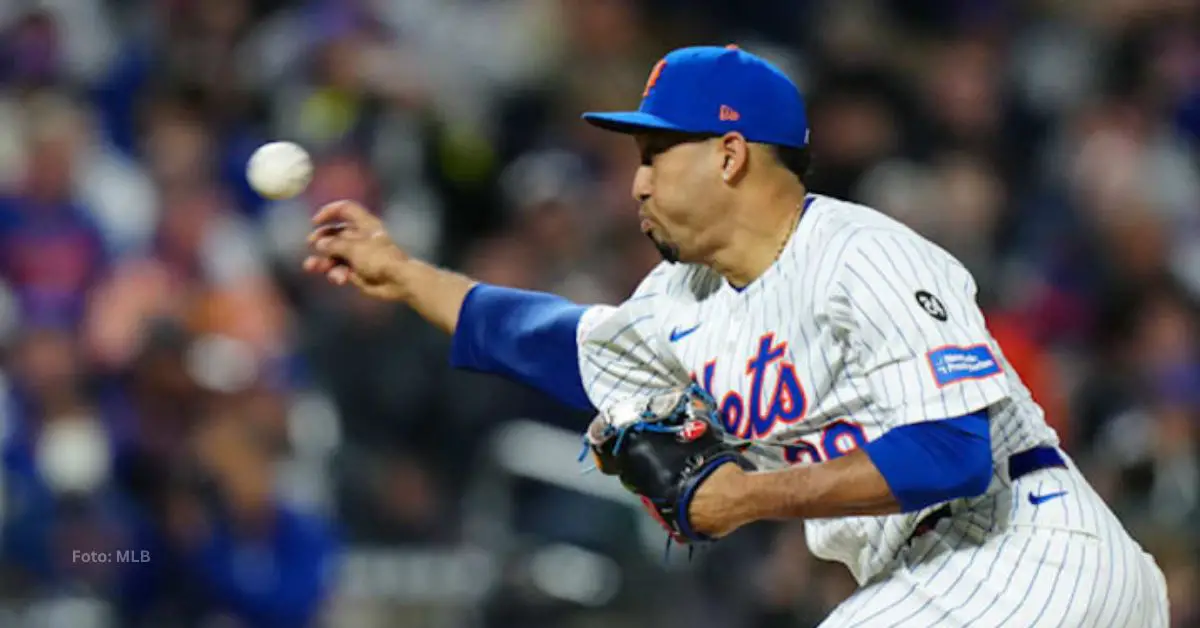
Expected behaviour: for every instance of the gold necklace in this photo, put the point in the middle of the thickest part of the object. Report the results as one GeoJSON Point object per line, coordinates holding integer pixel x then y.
{"type": "Point", "coordinates": [791, 231]}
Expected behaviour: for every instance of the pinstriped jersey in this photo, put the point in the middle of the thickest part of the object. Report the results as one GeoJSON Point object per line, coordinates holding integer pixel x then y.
{"type": "Point", "coordinates": [861, 325]}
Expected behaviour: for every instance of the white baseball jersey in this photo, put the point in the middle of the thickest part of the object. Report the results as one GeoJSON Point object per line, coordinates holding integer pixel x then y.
{"type": "Point", "coordinates": [860, 326]}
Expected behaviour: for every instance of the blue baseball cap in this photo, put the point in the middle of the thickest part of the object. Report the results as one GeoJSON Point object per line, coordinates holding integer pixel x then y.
{"type": "Point", "coordinates": [713, 89]}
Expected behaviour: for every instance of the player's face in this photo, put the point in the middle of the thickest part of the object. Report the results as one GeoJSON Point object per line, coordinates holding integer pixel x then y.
{"type": "Point", "coordinates": [678, 189]}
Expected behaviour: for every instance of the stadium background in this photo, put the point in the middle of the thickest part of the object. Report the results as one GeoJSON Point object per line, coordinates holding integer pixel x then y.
{"type": "Point", "coordinates": [281, 452]}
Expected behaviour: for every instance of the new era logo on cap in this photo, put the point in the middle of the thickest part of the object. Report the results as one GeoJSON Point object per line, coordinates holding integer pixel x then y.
{"type": "Point", "coordinates": [711, 89]}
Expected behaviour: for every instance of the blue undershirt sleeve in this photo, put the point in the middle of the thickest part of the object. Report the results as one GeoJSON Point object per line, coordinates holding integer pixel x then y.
{"type": "Point", "coordinates": [522, 335]}
{"type": "Point", "coordinates": [932, 462]}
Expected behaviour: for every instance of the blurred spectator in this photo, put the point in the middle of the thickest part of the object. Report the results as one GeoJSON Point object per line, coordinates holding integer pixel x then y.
{"type": "Point", "coordinates": [52, 249]}
{"type": "Point", "coordinates": [244, 555]}
{"type": "Point", "coordinates": [62, 500]}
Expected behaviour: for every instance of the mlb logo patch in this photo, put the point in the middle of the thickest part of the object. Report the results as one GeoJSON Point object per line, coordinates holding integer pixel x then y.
{"type": "Point", "coordinates": [955, 364]}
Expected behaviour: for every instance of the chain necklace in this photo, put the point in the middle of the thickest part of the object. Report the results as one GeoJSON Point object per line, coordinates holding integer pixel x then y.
{"type": "Point", "coordinates": [791, 231]}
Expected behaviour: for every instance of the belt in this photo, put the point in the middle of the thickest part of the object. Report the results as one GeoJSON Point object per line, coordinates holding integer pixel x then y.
{"type": "Point", "coordinates": [1019, 466]}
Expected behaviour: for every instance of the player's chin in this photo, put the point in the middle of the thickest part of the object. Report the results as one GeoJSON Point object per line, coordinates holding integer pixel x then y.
{"type": "Point", "coordinates": [667, 249]}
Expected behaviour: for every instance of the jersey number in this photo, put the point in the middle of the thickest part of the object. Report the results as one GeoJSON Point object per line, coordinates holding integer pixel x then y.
{"type": "Point", "coordinates": [837, 439]}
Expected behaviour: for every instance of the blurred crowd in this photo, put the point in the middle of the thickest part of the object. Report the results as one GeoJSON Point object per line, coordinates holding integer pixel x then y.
{"type": "Point", "coordinates": [170, 381]}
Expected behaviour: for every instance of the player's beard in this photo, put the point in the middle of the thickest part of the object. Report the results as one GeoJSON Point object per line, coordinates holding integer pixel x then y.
{"type": "Point", "coordinates": [667, 250]}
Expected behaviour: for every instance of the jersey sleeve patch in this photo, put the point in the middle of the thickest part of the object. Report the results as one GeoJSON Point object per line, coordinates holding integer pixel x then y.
{"type": "Point", "coordinates": [951, 364]}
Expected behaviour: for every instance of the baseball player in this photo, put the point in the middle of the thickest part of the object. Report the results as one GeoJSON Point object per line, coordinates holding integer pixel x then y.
{"type": "Point", "coordinates": [919, 459]}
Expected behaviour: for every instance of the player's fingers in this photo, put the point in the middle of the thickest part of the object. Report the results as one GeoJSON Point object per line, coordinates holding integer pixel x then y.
{"type": "Point", "coordinates": [339, 275]}
{"type": "Point", "coordinates": [334, 246]}
{"type": "Point", "coordinates": [318, 265]}
{"type": "Point", "coordinates": [331, 212]}
{"type": "Point", "coordinates": [347, 212]}
{"type": "Point", "coordinates": [329, 230]}
{"type": "Point", "coordinates": [355, 279]}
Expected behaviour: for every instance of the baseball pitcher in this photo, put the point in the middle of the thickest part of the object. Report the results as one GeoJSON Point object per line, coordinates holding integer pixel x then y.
{"type": "Point", "coordinates": [814, 326]}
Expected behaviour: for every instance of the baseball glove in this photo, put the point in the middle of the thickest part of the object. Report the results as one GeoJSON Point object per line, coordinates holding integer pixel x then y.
{"type": "Point", "coordinates": [662, 449]}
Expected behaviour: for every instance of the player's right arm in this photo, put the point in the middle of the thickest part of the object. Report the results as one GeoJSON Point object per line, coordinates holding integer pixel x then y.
{"type": "Point", "coordinates": [579, 354]}
{"type": "Point", "coordinates": [351, 246]}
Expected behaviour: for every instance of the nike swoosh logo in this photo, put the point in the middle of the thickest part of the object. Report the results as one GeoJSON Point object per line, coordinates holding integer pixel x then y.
{"type": "Point", "coordinates": [677, 333]}
{"type": "Point", "coordinates": [1038, 500]}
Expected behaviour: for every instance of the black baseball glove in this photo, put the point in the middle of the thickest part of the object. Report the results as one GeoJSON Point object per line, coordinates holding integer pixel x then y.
{"type": "Point", "coordinates": [662, 449]}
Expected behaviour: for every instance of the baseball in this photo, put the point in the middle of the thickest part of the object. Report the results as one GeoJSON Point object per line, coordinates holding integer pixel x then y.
{"type": "Point", "coordinates": [279, 170]}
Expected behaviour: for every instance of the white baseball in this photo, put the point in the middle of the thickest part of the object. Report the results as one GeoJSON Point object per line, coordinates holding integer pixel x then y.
{"type": "Point", "coordinates": [279, 170]}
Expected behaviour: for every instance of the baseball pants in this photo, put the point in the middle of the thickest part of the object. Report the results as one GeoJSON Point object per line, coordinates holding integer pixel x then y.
{"type": "Point", "coordinates": [1043, 551]}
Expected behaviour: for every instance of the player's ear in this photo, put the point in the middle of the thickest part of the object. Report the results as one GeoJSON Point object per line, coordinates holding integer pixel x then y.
{"type": "Point", "coordinates": [735, 156]}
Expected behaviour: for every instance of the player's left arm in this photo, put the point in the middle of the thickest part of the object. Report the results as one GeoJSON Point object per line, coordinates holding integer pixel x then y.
{"type": "Point", "coordinates": [908, 321]}
{"type": "Point", "coordinates": [907, 469]}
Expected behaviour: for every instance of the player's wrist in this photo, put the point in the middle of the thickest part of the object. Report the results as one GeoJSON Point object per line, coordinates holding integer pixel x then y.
{"type": "Point", "coordinates": [402, 273]}
{"type": "Point", "coordinates": [719, 506]}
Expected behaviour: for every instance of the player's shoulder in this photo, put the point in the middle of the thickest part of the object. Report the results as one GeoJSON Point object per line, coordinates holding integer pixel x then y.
{"type": "Point", "coordinates": [675, 281]}
{"type": "Point", "coordinates": [856, 222]}
{"type": "Point", "coordinates": [664, 290]}
{"type": "Point", "coordinates": [855, 230]}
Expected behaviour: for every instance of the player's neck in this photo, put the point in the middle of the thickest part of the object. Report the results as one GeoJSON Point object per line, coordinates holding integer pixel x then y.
{"type": "Point", "coordinates": [758, 236]}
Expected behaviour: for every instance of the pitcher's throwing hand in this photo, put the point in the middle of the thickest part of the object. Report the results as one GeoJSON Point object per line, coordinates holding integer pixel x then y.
{"type": "Point", "coordinates": [350, 245]}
